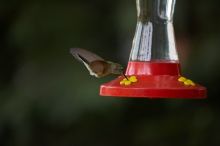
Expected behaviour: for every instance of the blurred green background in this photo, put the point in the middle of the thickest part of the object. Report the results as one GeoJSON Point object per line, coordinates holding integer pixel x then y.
{"type": "Point", "coordinates": [48, 99]}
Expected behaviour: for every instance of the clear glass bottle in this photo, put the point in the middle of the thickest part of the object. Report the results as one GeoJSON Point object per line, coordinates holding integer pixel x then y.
{"type": "Point", "coordinates": [154, 37]}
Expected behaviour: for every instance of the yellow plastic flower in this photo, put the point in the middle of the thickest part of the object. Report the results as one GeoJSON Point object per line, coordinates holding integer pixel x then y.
{"type": "Point", "coordinates": [186, 81]}
{"type": "Point", "coordinates": [189, 82]}
{"type": "Point", "coordinates": [129, 81]}
{"type": "Point", "coordinates": [133, 79]}
{"type": "Point", "coordinates": [182, 79]}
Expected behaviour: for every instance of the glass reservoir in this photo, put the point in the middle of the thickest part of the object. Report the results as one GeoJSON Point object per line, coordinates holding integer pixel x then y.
{"type": "Point", "coordinates": [154, 40]}
{"type": "Point", "coordinates": [154, 36]}
{"type": "Point", "coordinates": [153, 59]}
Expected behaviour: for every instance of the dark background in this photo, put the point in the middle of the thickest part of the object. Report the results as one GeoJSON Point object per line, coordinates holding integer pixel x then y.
{"type": "Point", "coordinates": [49, 99]}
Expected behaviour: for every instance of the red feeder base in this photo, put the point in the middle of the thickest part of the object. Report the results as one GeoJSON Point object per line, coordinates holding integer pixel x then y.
{"type": "Point", "coordinates": [155, 80]}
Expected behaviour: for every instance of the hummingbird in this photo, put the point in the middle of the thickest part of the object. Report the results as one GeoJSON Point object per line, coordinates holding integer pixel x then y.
{"type": "Point", "coordinates": [96, 65]}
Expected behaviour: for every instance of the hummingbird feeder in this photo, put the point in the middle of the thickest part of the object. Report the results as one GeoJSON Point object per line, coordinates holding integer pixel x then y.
{"type": "Point", "coordinates": [153, 69]}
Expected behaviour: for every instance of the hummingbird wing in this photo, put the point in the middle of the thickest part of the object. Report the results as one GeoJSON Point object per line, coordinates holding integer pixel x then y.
{"type": "Point", "coordinates": [86, 57]}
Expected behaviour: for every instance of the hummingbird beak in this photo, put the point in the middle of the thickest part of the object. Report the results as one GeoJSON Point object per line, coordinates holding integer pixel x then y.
{"type": "Point", "coordinates": [125, 76]}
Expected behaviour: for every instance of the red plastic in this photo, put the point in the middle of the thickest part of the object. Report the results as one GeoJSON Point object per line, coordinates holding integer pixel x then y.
{"type": "Point", "coordinates": [153, 68]}
{"type": "Point", "coordinates": [155, 80]}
